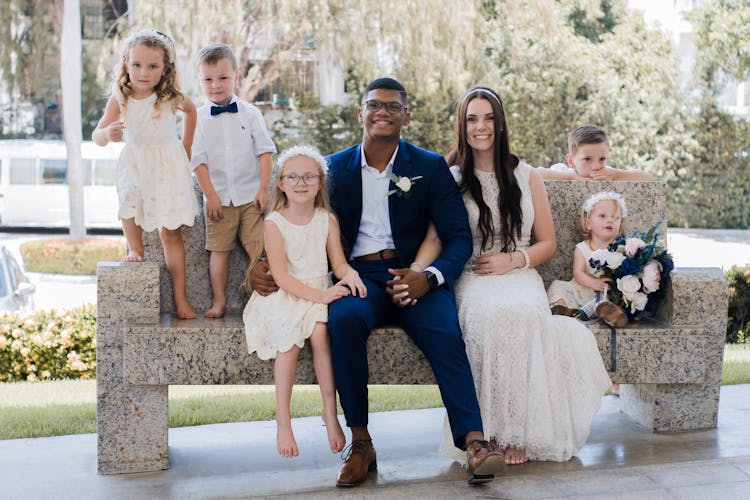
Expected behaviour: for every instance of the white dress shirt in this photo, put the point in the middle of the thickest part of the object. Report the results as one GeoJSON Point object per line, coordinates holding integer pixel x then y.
{"type": "Point", "coordinates": [375, 232]}
{"type": "Point", "coordinates": [229, 144]}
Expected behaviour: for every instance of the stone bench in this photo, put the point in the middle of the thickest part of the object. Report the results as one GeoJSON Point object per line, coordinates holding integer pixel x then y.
{"type": "Point", "coordinates": [672, 366]}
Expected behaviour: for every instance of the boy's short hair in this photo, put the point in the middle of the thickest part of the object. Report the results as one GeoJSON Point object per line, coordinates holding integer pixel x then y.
{"type": "Point", "coordinates": [212, 54]}
{"type": "Point", "coordinates": [587, 134]}
{"type": "Point", "coordinates": [387, 84]}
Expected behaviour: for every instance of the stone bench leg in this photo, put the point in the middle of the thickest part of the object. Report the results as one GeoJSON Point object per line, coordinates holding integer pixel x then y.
{"type": "Point", "coordinates": [671, 407]}
{"type": "Point", "coordinates": [132, 421]}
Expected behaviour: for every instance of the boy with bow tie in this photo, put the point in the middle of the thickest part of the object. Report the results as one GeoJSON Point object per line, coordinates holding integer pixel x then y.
{"type": "Point", "coordinates": [232, 162]}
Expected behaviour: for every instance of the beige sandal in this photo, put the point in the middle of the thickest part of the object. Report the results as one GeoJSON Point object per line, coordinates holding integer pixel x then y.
{"type": "Point", "coordinates": [611, 313]}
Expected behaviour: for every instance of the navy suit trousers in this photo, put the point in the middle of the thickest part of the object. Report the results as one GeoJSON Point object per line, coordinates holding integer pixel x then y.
{"type": "Point", "coordinates": [433, 326]}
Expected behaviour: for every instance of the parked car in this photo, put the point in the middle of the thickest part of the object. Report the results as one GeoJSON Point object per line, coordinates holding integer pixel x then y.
{"type": "Point", "coordinates": [16, 291]}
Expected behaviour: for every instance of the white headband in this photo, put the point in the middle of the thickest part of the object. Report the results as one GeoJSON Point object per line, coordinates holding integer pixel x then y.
{"type": "Point", "coordinates": [592, 200]}
{"type": "Point", "coordinates": [484, 93]}
{"type": "Point", "coordinates": [301, 150]}
{"type": "Point", "coordinates": [149, 32]}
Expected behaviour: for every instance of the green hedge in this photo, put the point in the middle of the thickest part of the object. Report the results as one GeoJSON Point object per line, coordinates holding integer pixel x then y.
{"type": "Point", "coordinates": [66, 256]}
{"type": "Point", "coordinates": [48, 345]}
{"type": "Point", "coordinates": [738, 331]}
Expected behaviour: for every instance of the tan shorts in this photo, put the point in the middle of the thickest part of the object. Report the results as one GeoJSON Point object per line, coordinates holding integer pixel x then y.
{"type": "Point", "coordinates": [245, 221]}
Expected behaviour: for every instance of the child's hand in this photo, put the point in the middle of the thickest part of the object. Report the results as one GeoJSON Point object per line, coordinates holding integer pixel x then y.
{"type": "Point", "coordinates": [602, 284]}
{"type": "Point", "coordinates": [114, 131]}
{"type": "Point", "coordinates": [261, 200]}
{"type": "Point", "coordinates": [352, 280]}
{"type": "Point", "coordinates": [334, 293]}
{"type": "Point", "coordinates": [213, 208]}
{"type": "Point", "coordinates": [602, 174]}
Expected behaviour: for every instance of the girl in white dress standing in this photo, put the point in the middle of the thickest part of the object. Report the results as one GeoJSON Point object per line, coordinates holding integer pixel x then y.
{"type": "Point", "coordinates": [301, 237]}
{"type": "Point", "coordinates": [154, 185]}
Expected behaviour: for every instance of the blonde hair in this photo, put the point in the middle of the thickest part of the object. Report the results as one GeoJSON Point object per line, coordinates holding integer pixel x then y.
{"type": "Point", "coordinates": [591, 202]}
{"type": "Point", "coordinates": [280, 199]}
{"type": "Point", "coordinates": [168, 88]}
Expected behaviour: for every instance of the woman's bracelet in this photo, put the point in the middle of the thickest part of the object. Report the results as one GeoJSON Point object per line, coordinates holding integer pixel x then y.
{"type": "Point", "coordinates": [525, 254]}
{"type": "Point", "coordinates": [420, 270]}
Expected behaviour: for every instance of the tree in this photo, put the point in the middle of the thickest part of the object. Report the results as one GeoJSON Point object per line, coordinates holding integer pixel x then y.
{"type": "Point", "coordinates": [70, 79]}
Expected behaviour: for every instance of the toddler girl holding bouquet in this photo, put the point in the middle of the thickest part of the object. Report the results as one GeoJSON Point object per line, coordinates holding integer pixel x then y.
{"type": "Point", "coordinates": [585, 296]}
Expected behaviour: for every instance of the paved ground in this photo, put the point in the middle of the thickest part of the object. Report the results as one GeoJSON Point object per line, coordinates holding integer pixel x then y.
{"type": "Point", "coordinates": [620, 460]}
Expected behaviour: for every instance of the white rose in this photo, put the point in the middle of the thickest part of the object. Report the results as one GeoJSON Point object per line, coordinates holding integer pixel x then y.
{"type": "Point", "coordinates": [600, 255]}
{"type": "Point", "coordinates": [638, 303]}
{"type": "Point", "coordinates": [404, 184]}
{"type": "Point", "coordinates": [651, 276]}
{"type": "Point", "coordinates": [614, 259]}
{"type": "Point", "coordinates": [632, 245]}
{"type": "Point", "coordinates": [628, 285]}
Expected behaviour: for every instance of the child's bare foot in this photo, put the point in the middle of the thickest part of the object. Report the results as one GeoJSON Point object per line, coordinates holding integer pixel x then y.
{"type": "Point", "coordinates": [336, 438]}
{"type": "Point", "coordinates": [185, 312]}
{"type": "Point", "coordinates": [216, 311]}
{"type": "Point", "coordinates": [616, 390]}
{"type": "Point", "coordinates": [133, 257]}
{"type": "Point", "coordinates": [285, 443]}
{"type": "Point", "coordinates": [514, 456]}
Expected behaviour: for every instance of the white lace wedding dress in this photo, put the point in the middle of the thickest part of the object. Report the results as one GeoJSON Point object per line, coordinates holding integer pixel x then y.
{"type": "Point", "coordinates": [539, 378]}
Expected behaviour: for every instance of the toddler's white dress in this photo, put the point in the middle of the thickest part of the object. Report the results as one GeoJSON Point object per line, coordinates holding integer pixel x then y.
{"type": "Point", "coordinates": [154, 182]}
{"type": "Point", "coordinates": [280, 320]}
{"type": "Point", "coordinates": [574, 294]}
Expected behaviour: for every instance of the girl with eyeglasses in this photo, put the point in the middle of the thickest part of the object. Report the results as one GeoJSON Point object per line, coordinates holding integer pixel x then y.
{"type": "Point", "coordinates": [301, 238]}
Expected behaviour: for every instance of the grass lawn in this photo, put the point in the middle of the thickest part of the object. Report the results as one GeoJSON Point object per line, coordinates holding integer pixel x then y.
{"type": "Point", "coordinates": [36, 409]}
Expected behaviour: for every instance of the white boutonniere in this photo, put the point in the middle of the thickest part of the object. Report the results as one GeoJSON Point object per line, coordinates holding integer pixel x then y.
{"type": "Point", "coordinates": [403, 184]}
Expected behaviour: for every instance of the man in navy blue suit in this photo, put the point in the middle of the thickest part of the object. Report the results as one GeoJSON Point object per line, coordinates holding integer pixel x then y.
{"type": "Point", "coordinates": [383, 221]}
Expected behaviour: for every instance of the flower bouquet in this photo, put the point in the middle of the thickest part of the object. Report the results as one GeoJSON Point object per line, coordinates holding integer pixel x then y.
{"type": "Point", "coordinates": [639, 267]}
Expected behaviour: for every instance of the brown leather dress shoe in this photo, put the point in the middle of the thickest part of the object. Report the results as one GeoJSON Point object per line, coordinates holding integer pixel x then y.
{"type": "Point", "coordinates": [482, 461]}
{"type": "Point", "coordinates": [359, 461]}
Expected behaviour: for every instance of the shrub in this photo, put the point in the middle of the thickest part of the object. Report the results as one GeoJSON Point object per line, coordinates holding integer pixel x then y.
{"type": "Point", "coordinates": [48, 345]}
{"type": "Point", "coordinates": [738, 331]}
{"type": "Point", "coordinates": [66, 256]}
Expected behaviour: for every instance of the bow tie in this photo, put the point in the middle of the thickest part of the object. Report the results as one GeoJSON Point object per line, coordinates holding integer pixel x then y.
{"type": "Point", "coordinates": [229, 108]}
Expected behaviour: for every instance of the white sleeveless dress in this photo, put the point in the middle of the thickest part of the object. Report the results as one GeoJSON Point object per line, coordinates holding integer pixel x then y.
{"type": "Point", "coordinates": [154, 182]}
{"type": "Point", "coordinates": [280, 320]}
{"type": "Point", "coordinates": [539, 378]}
{"type": "Point", "coordinates": [573, 293]}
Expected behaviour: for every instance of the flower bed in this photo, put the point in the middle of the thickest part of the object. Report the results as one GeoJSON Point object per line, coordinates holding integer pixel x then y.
{"type": "Point", "coordinates": [48, 345]}
{"type": "Point", "coordinates": [66, 256]}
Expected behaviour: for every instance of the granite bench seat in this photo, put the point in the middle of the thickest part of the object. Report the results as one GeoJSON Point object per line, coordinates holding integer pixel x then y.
{"type": "Point", "coordinates": [670, 367]}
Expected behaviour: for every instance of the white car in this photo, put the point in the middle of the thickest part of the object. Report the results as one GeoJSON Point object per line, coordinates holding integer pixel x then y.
{"type": "Point", "coordinates": [16, 291]}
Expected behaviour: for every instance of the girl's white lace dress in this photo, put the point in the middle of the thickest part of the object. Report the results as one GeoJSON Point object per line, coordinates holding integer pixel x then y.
{"type": "Point", "coordinates": [539, 378]}
{"type": "Point", "coordinates": [573, 293]}
{"type": "Point", "coordinates": [154, 181]}
{"type": "Point", "coordinates": [280, 320]}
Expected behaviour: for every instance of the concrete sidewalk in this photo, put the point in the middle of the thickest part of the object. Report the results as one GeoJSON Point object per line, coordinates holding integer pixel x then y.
{"type": "Point", "coordinates": [620, 460]}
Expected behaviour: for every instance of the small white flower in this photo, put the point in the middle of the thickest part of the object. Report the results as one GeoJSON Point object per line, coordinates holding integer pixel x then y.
{"type": "Point", "coordinates": [404, 184]}
{"type": "Point", "coordinates": [614, 259]}
{"type": "Point", "coordinates": [638, 302]}
{"type": "Point", "coordinates": [628, 285]}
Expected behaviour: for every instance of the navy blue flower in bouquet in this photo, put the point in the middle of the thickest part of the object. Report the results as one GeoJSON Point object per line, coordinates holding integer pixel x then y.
{"type": "Point", "coordinates": [639, 267]}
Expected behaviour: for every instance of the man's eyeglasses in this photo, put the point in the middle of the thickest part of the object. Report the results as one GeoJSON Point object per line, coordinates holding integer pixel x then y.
{"type": "Point", "coordinates": [293, 179]}
{"type": "Point", "coordinates": [392, 107]}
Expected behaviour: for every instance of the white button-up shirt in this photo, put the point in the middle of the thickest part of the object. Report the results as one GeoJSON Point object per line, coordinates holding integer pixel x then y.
{"type": "Point", "coordinates": [375, 232]}
{"type": "Point", "coordinates": [229, 145]}
{"type": "Point", "coordinates": [375, 226]}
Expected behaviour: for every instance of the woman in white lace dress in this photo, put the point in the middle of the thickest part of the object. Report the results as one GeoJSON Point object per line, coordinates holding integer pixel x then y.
{"type": "Point", "coordinates": [539, 378]}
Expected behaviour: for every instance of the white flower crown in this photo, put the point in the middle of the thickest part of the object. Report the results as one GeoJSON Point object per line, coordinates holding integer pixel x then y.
{"type": "Point", "coordinates": [592, 200]}
{"type": "Point", "coordinates": [301, 150]}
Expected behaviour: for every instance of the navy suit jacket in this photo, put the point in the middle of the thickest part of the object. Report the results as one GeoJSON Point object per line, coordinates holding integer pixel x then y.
{"type": "Point", "coordinates": [434, 197]}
